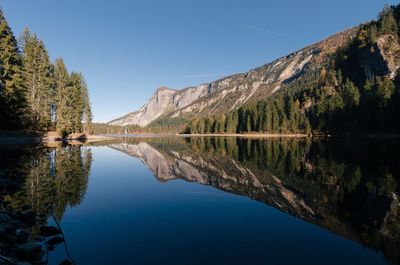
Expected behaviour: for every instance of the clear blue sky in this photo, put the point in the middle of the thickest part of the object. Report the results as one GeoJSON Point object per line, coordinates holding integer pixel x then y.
{"type": "Point", "coordinates": [127, 48]}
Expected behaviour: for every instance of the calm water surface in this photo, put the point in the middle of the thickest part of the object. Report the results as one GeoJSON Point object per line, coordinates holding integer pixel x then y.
{"type": "Point", "coordinates": [216, 200]}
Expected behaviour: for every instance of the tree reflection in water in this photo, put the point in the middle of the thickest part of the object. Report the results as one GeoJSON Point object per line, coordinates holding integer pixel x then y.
{"type": "Point", "coordinates": [53, 179]}
{"type": "Point", "coordinates": [350, 187]}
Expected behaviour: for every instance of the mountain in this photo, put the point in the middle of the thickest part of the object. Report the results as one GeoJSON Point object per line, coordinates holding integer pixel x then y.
{"type": "Point", "coordinates": [163, 100]}
{"type": "Point", "coordinates": [347, 83]}
{"type": "Point", "coordinates": [229, 93]}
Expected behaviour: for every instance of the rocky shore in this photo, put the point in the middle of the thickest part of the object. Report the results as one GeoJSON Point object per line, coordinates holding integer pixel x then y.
{"type": "Point", "coordinates": [18, 245]}
{"type": "Point", "coordinates": [25, 237]}
{"type": "Point", "coordinates": [25, 138]}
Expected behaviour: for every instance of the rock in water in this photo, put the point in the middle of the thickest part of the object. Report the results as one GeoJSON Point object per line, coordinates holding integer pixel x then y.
{"type": "Point", "coordinates": [26, 207]}
{"type": "Point", "coordinates": [65, 262]}
{"type": "Point", "coordinates": [55, 240]}
{"type": "Point", "coordinates": [27, 217]}
{"type": "Point", "coordinates": [29, 251]}
{"type": "Point", "coordinates": [48, 231]}
{"type": "Point", "coordinates": [51, 248]}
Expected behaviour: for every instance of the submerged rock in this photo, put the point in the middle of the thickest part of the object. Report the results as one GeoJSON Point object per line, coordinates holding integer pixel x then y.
{"type": "Point", "coordinates": [29, 251]}
{"type": "Point", "coordinates": [26, 207]}
{"type": "Point", "coordinates": [48, 231]}
{"type": "Point", "coordinates": [55, 240]}
{"type": "Point", "coordinates": [51, 248]}
{"type": "Point", "coordinates": [27, 217]}
{"type": "Point", "coordinates": [65, 262]}
{"type": "Point", "coordinates": [5, 228]}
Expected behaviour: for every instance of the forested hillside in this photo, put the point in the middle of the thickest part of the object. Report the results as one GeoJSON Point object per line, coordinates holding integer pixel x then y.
{"type": "Point", "coordinates": [36, 94]}
{"type": "Point", "coordinates": [357, 89]}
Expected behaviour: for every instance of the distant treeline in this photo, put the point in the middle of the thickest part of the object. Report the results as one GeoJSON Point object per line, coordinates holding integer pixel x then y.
{"type": "Point", "coordinates": [36, 94]}
{"type": "Point", "coordinates": [336, 97]}
{"type": "Point", "coordinates": [105, 128]}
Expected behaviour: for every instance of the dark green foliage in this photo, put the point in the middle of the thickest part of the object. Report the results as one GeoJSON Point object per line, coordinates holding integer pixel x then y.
{"type": "Point", "coordinates": [351, 95]}
{"type": "Point", "coordinates": [38, 82]}
{"type": "Point", "coordinates": [63, 102]}
{"type": "Point", "coordinates": [72, 103]}
{"type": "Point", "coordinates": [387, 21]}
{"type": "Point", "coordinates": [170, 127]}
{"type": "Point", "coordinates": [36, 95]}
{"type": "Point", "coordinates": [87, 109]}
{"type": "Point", "coordinates": [275, 115]}
{"type": "Point", "coordinates": [77, 105]}
{"type": "Point", "coordinates": [12, 100]}
{"type": "Point", "coordinates": [339, 96]}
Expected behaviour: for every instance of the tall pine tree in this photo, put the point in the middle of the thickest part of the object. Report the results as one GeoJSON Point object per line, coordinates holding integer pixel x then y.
{"type": "Point", "coordinates": [77, 103]}
{"type": "Point", "coordinates": [38, 81]}
{"type": "Point", "coordinates": [62, 98]}
{"type": "Point", "coordinates": [87, 109]}
{"type": "Point", "coordinates": [12, 100]}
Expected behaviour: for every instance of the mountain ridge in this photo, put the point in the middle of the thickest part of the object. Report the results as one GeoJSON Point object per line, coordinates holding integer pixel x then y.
{"type": "Point", "coordinates": [228, 93]}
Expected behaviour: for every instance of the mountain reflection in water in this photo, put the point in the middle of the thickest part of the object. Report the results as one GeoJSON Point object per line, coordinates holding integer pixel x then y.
{"type": "Point", "coordinates": [349, 187]}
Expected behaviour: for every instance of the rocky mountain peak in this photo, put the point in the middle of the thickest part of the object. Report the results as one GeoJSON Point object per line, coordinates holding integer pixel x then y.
{"type": "Point", "coordinates": [229, 93]}
{"type": "Point", "coordinates": [164, 88]}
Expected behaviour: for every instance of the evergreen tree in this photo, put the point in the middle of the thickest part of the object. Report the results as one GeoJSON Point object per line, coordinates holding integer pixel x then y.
{"type": "Point", "coordinates": [274, 119]}
{"type": "Point", "coordinates": [38, 81]}
{"type": "Point", "coordinates": [219, 124]}
{"type": "Point", "coordinates": [384, 92]}
{"type": "Point", "coordinates": [77, 103]}
{"type": "Point", "coordinates": [208, 125]}
{"type": "Point", "coordinates": [351, 94]}
{"type": "Point", "coordinates": [372, 34]}
{"type": "Point", "coordinates": [388, 23]}
{"type": "Point", "coordinates": [230, 125]}
{"type": "Point", "coordinates": [87, 110]}
{"type": "Point", "coordinates": [34, 94]}
{"type": "Point", "coordinates": [248, 123]}
{"type": "Point", "coordinates": [12, 100]}
{"type": "Point", "coordinates": [63, 98]}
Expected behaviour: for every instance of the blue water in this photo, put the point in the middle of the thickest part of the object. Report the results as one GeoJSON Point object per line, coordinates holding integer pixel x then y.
{"type": "Point", "coordinates": [128, 217]}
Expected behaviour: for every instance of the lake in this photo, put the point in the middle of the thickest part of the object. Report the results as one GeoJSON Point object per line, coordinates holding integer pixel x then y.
{"type": "Point", "coordinates": [205, 200]}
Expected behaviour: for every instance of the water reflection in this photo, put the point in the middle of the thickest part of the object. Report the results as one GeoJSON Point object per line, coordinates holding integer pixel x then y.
{"type": "Point", "coordinates": [347, 186]}
{"type": "Point", "coordinates": [55, 179]}
{"type": "Point", "coordinates": [51, 179]}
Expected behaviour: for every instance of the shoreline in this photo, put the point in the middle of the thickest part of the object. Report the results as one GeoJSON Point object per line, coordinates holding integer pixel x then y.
{"type": "Point", "coordinates": [26, 138]}
{"type": "Point", "coordinates": [82, 138]}
{"type": "Point", "coordinates": [249, 135]}
{"type": "Point", "coordinates": [377, 135]}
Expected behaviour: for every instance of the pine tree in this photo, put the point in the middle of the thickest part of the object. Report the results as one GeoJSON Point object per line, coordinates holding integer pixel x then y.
{"type": "Point", "coordinates": [372, 34]}
{"type": "Point", "coordinates": [38, 81]}
{"type": "Point", "coordinates": [201, 126]}
{"type": "Point", "coordinates": [219, 124]}
{"type": "Point", "coordinates": [77, 101]}
{"type": "Point", "coordinates": [12, 100]}
{"type": "Point", "coordinates": [388, 23]}
{"type": "Point", "coordinates": [230, 126]}
{"type": "Point", "coordinates": [274, 119]}
{"type": "Point", "coordinates": [248, 123]}
{"type": "Point", "coordinates": [63, 100]}
{"type": "Point", "coordinates": [384, 92]}
{"type": "Point", "coordinates": [351, 94]}
{"type": "Point", "coordinates": [87, 110]}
